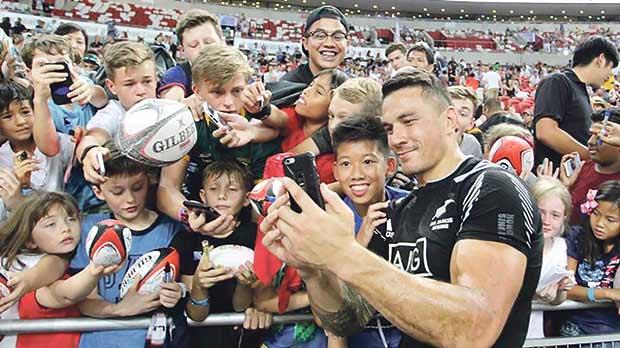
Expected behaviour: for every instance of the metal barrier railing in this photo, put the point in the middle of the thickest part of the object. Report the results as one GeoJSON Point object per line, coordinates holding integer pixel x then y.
{"type": "Point", "coordinates": [13, 327]}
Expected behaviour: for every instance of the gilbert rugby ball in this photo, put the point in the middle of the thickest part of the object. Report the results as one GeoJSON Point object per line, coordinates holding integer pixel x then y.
{"type": "Point", "coordinates": [512, 153]}
{"type": "Point", "coordinates": [157, 132]}
{"type": "Point", "coordinates": [108, 243]}
{"type": "Point", "coordinates": [149, 269]}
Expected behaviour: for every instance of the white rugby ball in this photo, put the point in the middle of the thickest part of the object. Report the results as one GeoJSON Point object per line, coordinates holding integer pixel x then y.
{"type": "Point", "coordinates": [157, 132]}
{"type": "Point", "coordinates": [149, 269]}
{"type": "Point", "coordinates": [231, 256]}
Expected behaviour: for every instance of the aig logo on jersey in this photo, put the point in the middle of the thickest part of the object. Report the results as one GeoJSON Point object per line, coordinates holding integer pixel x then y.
{"type": "Point", "coordinates": [441, 220]}
{"type": "Point", "coordinates": [410, 257]}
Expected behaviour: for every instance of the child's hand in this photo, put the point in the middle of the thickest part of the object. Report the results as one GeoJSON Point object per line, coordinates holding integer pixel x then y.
{"type": "Point", "coordinates": [91, 165]}
{"type": "Point", "coordinates": [10, 191]}
{"type": "Point", "coordinates": [133, 303]}
{"type": "Point", "coordinates": [255, 319]}
{"type": "Point", "coordinates": [246, 276]}
{"type": "Point", "coordinates": [222, 225]}
{"type": "Point", "coordinates": [23, 169]}
{"type": "Point", "coordinates": [238, 133]}
{"type": "Point", "coordinates": [43, 75]}
{"type": "Point", "coordinates": [207, 275]}
{"type": "Point", "coordinates": [19, 286]}
{"type": "Point", "coordinates": [81, 90]}
{"type": "Point", "coordinates": [374, 218]}
{"type": "Point", "coordinates": [566, 283]}
{"type": "Point", "coordinates": [170, 294]}
{"type": "Point", "coordinates": [546, 169]}
{"type": "Point", "coordinates": [252, 96]}
{"type": "Point", "coordinates": [100, 271]}
{"type": "Point", "coordinates": [549, 293]}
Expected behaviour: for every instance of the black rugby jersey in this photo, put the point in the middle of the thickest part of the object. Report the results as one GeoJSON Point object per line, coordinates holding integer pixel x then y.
{"type": "Point", "coordinates": [478, 200]}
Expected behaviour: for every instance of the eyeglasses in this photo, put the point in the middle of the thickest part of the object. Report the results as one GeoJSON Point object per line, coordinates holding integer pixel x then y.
{"type": "Point", "coordinates": [320, 35]}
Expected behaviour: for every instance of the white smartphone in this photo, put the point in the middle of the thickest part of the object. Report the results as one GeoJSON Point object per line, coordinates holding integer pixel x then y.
{"type": "Point", "coordinates": [101, 164]}
{"type": "Point", "coordinates": [571, 165]}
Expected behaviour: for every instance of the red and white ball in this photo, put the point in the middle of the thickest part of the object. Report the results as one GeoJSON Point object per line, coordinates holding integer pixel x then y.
{"type": "Point", "coordinates": [149, 269]}
{"type": "Point", "coordinates": [157, 132]}
{"type": "Point", "coordinates": [108, 243]}
{"type": "Point", "coordinates": [512, 153]}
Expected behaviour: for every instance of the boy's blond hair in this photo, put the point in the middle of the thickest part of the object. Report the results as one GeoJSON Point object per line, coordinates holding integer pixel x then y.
{"type": "Point", "coordinates": [46, 43]}
{"type": "Point", "coordinates": [197, 17]}
{"type": "Point", "coordinates": [464, 93]}
{"type": "Point", "coordinates": [362, 90]}
{"type": "Point", "coordinates": [548, 186]}
{"type": "Point", "coordinates": [218, 64]}
{"type": "Point", "coordinates": [125, 54]}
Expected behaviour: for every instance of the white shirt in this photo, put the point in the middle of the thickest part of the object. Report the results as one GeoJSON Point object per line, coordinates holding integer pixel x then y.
{"type": "Point", "coordinates": [108, 118]}
{"type": "Point", "coordinates": [491, 79]}
{"type": "Point", "coordinates": [51, 173]}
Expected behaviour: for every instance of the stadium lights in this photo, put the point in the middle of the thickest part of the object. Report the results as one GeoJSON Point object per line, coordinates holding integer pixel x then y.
{"type": "Point", "coordinates": [374, 6]}
{"type": "Point", "coordinates": [393, 7]}
{"type": "Point", "coordinates": [356, 5]}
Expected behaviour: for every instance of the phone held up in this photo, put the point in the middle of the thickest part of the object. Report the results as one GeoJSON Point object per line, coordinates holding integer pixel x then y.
{"type": "Point", "coordinates": [302, 169]}
{"type": "Point", "coordinates": [61, 89]}
{"type": "Point", "coordinates": [571, 165]}
{"type": "Point", "coordinates": [201, 208]}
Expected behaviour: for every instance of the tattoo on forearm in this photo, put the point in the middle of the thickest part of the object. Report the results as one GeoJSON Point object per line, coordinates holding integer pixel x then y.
{"type": "Point", "coordinates": [351, 318]}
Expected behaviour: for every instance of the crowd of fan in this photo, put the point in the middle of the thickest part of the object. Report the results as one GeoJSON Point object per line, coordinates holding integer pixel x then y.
{"type": "Point", "coordinates": [315, 99]}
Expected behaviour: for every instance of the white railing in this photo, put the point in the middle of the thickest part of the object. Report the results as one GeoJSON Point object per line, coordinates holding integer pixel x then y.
{"type": "Point", "coordinates": [13, 327]}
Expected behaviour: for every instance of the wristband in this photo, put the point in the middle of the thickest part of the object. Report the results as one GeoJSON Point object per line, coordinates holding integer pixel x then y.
{"type": "Point", "coordinates": [85, 152]}
{"type": "Point", "coordinates": [591, 296]}
{"type": "Point", "coordinates": [183, 216]}
{"type": "Point", "coordinates": [201, 303]}
{"type": "Point", "coordinates": [263, 114]}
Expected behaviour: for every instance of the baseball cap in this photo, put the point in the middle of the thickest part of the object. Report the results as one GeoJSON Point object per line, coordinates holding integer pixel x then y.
{"type": "Point", "coordinates": [92, 59]}
{"type": "Point", "coordinates": [326, 11]}
{"type": "Point", "coordinates": [599, 101]}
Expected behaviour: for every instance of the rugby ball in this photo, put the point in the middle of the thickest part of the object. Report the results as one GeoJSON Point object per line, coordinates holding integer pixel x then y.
{"type": "Point", "coordinates": [263, 194]}
{"type": "Point", "coordinates": [231, 256]}
{"type": "Point", "coordinates": [149, 269]}
{"type": "Point", "coordinates": [512, 153]}
{"type": "Point", "coordinates": [108, 243]}
{"type": "Point", "coordinates": [157, 132]}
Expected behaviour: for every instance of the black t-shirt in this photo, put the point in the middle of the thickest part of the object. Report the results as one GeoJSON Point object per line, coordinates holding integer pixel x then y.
{"type": "Point", "coordinates": [563, 98]}
{"type": "Point", "coordinates": [477, 201]}
{"type": "Point", "coordinates": [323, 140]}
{"type": "Point", "coordinates": [189, 245]}
{"type": "Point", "coordinates": [302, 74]}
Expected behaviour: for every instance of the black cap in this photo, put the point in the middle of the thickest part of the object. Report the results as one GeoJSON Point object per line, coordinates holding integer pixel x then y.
{"type": "Point", "coordinates": [326, 11]}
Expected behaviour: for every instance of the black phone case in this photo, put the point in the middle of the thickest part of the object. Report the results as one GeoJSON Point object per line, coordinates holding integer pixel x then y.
{"type": "Point", "coordinates": [210, 213]}
{"type": "Point", "coordinates": [302, 169]}
{"type": "Point", "coordinates": [61, 89]}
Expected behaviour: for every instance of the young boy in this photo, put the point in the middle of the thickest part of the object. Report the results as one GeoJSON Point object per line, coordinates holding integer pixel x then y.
{"type": "Point", "coordinates": [195, 29]}
{"type": "Point", "coordinates": [225, 187]}
{"type": "Point", "coordinates": [125, 192]}
{"type": "Point", "coordinates": [85, 97]}
{"type": "Point", "coordinates": [363, 162]}
{"type": "Point", "coordinates": [131, 72]}
{"type": "Point", "coordinates": [220, 74]}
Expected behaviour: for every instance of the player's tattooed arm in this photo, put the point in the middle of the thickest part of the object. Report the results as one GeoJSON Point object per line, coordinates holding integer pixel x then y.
{"type": "Point", "coordinates": [338, 308]}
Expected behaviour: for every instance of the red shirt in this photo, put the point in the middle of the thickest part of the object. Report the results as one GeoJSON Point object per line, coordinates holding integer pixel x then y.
{"type": "Point", "coordinates": [296, 135]}
{"type": "Point", "coordinates": [29, 308]}
{"type": "Point", "coordinates": [472, 83]}
{"type": "Point", "coordinates": [588, 179]}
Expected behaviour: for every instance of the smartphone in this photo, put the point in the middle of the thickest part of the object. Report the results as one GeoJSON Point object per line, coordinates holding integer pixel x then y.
{"type": "Point", "coordinates": [213, 115]}
{"type": "Point", "coordinates": [201, 208]}
{"type": "Point", "coordinates": [302, 169]}
{"type": "Point", "coordinates": [61, 89]}
{"type": "Point", "coordinates": [22, 156]}
{"type": "Point", "coordinates": [571, 165]}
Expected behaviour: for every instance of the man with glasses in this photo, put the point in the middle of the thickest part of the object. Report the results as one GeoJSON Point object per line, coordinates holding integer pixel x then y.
{"type": "Point", "coordinates": [324, 43]}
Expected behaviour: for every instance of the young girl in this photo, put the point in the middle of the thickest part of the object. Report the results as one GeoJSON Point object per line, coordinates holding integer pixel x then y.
{"type": "Point", "coordinates": [46, 223]}
{"type": "Point", "coordinates": [37, 154]}
{"type": "Point", "coordinates": [594, 255]}
{"type": "Point", "coordinates": [298, 122]}
{"type": "Point", "coordinates": [554, 203]}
